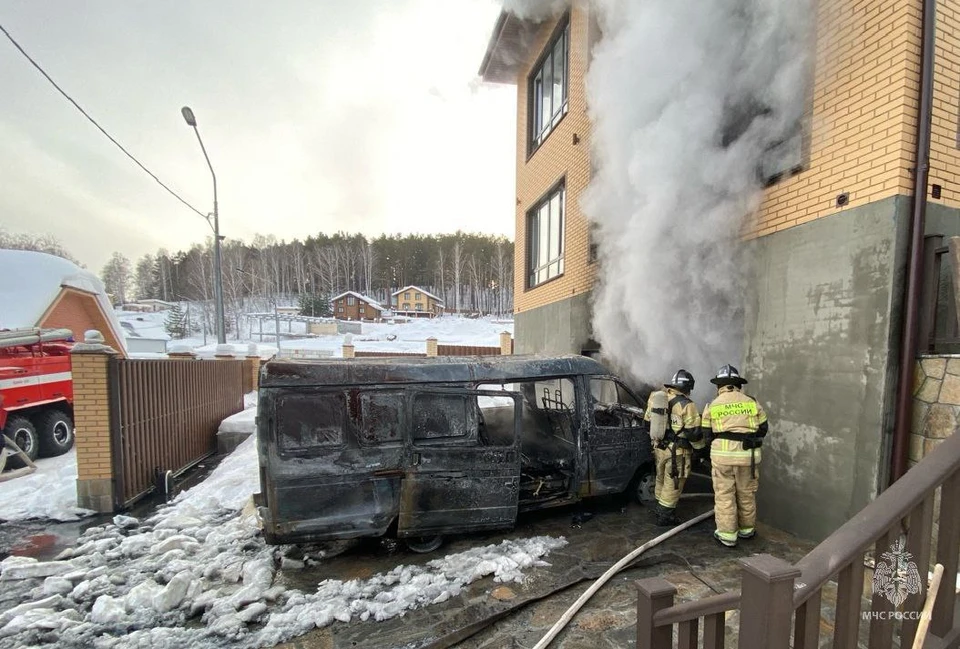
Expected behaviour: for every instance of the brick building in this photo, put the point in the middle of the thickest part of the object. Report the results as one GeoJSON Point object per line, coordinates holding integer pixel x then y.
{"type": "Point", "coordinates": [415, 302]}
{"type": "Point", "coordinates": [830, 242]}
{"type": "Point", "coordinates": [41, 290]}
{"type": "Point", "coordinates": [353, 306]}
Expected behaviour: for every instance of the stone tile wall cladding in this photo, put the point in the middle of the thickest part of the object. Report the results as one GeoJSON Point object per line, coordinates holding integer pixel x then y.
{"type": "Point", "coordinates": [936, 403]}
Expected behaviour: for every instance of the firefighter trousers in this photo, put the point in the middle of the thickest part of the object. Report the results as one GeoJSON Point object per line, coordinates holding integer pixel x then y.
{"type": "Point", "coordinates": [666, 493]}
{"type": "Point", "coordinates": [735, 500]}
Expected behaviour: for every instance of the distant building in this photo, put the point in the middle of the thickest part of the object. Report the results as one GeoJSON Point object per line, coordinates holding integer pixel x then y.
{"type": "Point", "coordinates": [354, 306]}
{"type": "Point", "coordinates": [148, 306]}
{"type": "Point", "coordinates": [288, 310]}
{"type": "Point", "coordinates": [416, 302]}
{"type": "Point", "coordinates": [41, 290]}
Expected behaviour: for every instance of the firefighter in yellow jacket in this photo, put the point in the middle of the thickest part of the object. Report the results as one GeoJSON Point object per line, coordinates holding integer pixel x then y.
{"type": "Point", "coordinates": [673, 452]}
{"type": "Point", "coordinates": [734, 424]}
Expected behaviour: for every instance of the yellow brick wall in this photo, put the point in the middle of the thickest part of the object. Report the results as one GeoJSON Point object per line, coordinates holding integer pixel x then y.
{"type": "Point", "coordinates": [557, 157]}
{"type": "Point", "coordinates": [91, 413]}
{"type": "Point", "coordinates": [944, 154]}
{"type": "Point", "coordinates": [864, 111]}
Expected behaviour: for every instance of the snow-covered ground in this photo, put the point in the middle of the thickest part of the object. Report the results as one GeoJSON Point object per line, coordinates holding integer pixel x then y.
{"type": "Point", "coordinates": [407, 336]}
{"type": "Point", "coordinates": [136, 583]}
{"type": "Point", "coordinates": [49, 492]}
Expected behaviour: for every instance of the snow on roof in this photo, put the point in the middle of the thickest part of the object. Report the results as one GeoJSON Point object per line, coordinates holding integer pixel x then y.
{"type": "Point", "coordinates": [366, 299]}
{"type": "Point", "coordinates": [417, 288]}
{"type": "Point", "coordinates": [32, 281]}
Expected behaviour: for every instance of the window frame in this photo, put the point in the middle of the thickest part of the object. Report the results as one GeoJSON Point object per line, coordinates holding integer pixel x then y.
{"type": "Point", "coordinates": [533, 243]}
{"type": "Point", "coordinates": [534, 108]}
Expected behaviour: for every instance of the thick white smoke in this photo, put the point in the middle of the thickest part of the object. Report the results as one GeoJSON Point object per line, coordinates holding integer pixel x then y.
{"type": "Point", "coordinates": [672, 88]}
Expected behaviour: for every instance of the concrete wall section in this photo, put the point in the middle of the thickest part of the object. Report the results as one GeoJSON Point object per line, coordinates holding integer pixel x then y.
{"type": "Point", "coordinates": [822, 328]}
{"type": "Point", "coordinates": [561, 327]}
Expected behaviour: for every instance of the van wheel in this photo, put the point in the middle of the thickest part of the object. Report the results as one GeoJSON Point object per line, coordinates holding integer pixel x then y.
{"type": "Point", "coordinates": [645, 487]}
{"type": "Point", "coordinates": [24, 435]}
{"type": "Point", "coordinates": [424, 544]}
{"type": "Point", "coordinates": [55, 433]}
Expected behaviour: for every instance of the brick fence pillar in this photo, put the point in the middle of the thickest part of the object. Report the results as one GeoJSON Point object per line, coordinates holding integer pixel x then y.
{"type": "Point", "coordinates": [91, 416]}
{"type": "Point", "coordinates": [254, 360]}
{"type": "Point", "coordinates": [432, 346]}
{"type": "Point", "coordinates": [506, 343]}
{"type": "Point", "coordinates": [348, 348]}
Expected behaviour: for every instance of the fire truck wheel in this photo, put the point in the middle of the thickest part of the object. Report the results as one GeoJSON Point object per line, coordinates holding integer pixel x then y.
{"type": "Point", "coordinates": [22, 432]}
{"type": "Point", "coordinates": [55, 429]}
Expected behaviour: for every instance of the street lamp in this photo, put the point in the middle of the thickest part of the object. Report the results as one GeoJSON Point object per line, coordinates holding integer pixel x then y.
{"type": "Point", "coordinates": [217, 275]}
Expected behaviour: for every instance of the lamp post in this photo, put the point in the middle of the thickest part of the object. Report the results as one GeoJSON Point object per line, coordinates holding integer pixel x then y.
{"type": "Point", "coordinates": [217, 275]}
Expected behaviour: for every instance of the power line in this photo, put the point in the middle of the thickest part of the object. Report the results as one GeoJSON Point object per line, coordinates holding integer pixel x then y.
{"type": "Point", "coordinates": [94, 122]}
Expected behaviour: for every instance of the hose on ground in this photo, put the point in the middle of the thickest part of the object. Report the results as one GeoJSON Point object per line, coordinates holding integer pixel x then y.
{"type": "Point", "coordinates": [614, 569]}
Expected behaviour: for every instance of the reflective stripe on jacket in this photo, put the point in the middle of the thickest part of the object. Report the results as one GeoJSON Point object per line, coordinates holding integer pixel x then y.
{"type": "Point", "coordinates": [733, 412]}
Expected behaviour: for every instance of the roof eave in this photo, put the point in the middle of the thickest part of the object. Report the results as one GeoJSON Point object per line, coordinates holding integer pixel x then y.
{"type": "Point", "coordinates": [508, 48]}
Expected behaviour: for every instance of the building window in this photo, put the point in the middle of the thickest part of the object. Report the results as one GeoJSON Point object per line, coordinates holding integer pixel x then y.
{"type": "Point", "coordinates": [351, 301]}
{"type": "Point", "coordinates": [361, 308]}
{"type": "Point", "coordinates": [339, 309]}
{"type": "Point", "coordinates": [406, 306]}
{"type": "Point", "coordinates": [548, 86]}
{"type": "Point", "coordinates": [419, 307]}
{"type": "Point", "coordinates": [406, 296]}
{"type": "Point", "coordinates": [545, 238]}
{"type": "Point", "coordinates": [417, 296]}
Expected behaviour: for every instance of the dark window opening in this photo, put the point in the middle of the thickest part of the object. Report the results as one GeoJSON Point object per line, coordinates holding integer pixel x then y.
{"type": "Point", "coordinates": [307, 422]}
{"type": "Point", "coordinates": [444, 419]}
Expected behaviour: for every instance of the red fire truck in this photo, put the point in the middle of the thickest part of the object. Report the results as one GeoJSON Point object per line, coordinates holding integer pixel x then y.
{"type": "Point", "coordinates": [36, 390]}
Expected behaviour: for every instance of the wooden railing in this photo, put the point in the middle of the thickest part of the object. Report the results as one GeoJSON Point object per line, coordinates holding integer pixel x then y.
{"type": "Point", "coordinates": [780, 604]}
{"type": "Point", "coordinates": [165, 415]}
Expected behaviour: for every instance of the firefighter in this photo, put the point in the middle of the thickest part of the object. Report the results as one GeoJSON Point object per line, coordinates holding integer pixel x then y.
{"type": "Point", "coordinates": [673, 445]}
{"type": "Point", "coordinates": [734, 425]}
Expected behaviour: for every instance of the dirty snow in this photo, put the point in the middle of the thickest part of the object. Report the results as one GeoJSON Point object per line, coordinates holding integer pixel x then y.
{"type": "Point", "coordinates": [135, 583]}
{"type": "Point", "coordinates": [49, 492]}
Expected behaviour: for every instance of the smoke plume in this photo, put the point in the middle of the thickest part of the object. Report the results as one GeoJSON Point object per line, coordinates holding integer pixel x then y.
{"type": "Point", "coordinates": [685, 97]}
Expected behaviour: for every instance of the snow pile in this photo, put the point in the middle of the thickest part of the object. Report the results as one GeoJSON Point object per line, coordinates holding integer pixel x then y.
{"type": "Point", "coordinates": [49, 492]}
{"type": "Point", "coordinates": [244, 421]}
{"type": "Point", "coordinates": [137, 583]}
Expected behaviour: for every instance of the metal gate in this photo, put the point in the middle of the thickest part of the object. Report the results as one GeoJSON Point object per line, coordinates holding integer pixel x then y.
{"type": "Point", "coordinates": [164, 417]}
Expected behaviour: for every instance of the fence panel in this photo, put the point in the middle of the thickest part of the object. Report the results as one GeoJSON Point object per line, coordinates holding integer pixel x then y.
{"type": "Point", "coordinates": [466, 350]}
{"type": "Point", "coordinates": [165, 416]}
{"type": "Point", "coordinates": [388, 355]}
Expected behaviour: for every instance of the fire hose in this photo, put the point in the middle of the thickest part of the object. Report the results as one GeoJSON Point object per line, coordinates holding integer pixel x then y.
{"type": "Point", "coordinates": [605, 577]}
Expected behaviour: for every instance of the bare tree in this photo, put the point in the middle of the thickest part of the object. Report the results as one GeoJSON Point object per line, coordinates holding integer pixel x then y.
{"type": "Point", "coordinates": [117, 277]}
{"type": "Point", "coordinates": [36, 242]}
{"type": "Point", "coordinates": [145, 281]}
{"type": "Point", "coordinates": [456, 262]}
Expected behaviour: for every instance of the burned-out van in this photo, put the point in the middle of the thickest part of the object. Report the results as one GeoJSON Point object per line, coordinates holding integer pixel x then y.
{"type": "Point", "coordinates": [419, 448]}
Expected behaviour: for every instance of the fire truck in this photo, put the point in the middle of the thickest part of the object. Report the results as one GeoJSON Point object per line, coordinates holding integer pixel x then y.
{"type": "Point", "coordinates": [36, 390]}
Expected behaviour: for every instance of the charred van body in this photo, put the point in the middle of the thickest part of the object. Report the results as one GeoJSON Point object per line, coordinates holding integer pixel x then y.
{"type": "Point", "coordinates": [425, 447]}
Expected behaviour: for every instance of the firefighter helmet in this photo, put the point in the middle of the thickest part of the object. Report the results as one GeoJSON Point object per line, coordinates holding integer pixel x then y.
{"type": "Point", "coordinates": [682, 381]}
{"type": "Point", "coordinates": [728, 375]}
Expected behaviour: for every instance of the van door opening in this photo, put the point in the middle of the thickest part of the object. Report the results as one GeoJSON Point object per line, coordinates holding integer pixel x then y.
{"type": "Point", "coordinates": [612, 449]}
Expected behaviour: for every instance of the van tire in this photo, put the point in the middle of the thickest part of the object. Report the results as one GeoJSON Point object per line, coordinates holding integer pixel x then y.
{"type": "Point", "coordinates": [424, 544]}
{"type": "Point", "coordinates": [24, 435]}
{"type": "Point", "coordinates": [55, 430]}
{"type": "Point", "coordinates": [644, 485]}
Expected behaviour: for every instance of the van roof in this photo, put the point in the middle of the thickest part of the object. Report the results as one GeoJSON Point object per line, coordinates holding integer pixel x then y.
{"type": "Point", "coordinates": [442, 369]}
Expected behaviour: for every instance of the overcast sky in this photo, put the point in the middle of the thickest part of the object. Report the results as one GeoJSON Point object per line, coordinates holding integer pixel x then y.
{"type": "Point", "coordinates": [318, 115]}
